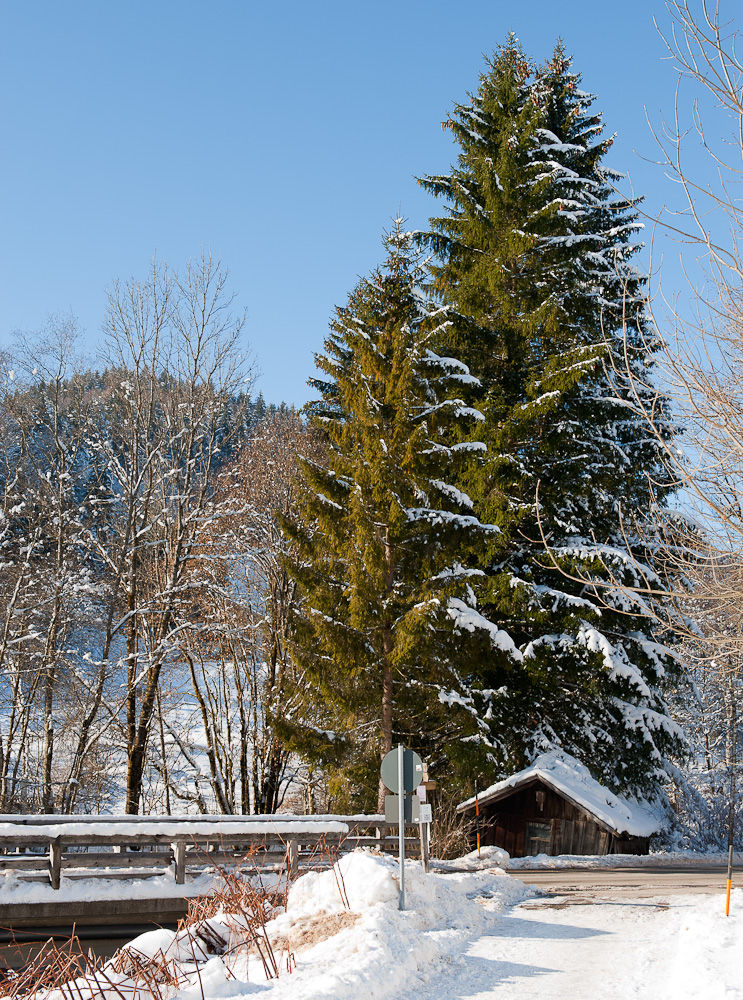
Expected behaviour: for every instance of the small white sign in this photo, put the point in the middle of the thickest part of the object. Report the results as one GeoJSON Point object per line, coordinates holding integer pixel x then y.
{"type": "Point", "coordinates": [426, 813]}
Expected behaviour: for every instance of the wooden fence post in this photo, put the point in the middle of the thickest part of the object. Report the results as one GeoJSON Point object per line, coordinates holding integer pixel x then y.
{"type": "Point", "coordinates": [292, 859]}
{"type": "Point", "coordinates": [179, 857]}
{"type": "Point", "coordinates": [424, 846]}
{"type": "Point", "coordinates": [55, 862]}
{"type": "Point", "coordinates": [381, 835]}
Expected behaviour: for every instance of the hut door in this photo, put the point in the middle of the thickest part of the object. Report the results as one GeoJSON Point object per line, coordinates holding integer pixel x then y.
{"type": "Point", "coordinates": [537, 838]}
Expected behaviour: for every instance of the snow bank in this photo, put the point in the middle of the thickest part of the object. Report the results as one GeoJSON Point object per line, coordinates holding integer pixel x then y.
{"type": "Point", "coordinates": [568, 776]}
{"type": "Point", "coordinates": [489, 857]}
{"type": "Point", "coordinates": [387, 953]}
{"type": "Point", "coordinates": [379, 953]}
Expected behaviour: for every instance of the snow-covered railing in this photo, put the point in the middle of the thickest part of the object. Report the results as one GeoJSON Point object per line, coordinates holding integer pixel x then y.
{"type": "Point", "coordinates": [116, 846]}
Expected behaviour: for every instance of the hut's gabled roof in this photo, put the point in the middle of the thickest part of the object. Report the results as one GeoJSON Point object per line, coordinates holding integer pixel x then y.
{"type": "Point", "coordinates": [569, 778]}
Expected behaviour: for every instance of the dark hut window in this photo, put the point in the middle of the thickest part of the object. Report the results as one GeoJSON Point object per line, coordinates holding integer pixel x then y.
{"type": "Point", "coordinates": [537, 838]}
{"type": "Point", "coordinates": [540, 800]}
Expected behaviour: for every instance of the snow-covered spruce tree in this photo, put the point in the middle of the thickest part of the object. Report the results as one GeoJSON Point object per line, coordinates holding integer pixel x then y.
{"type": "Point", "coordinates": [534, 261]}
{"type": "Point", "coordinates": [385, 543]}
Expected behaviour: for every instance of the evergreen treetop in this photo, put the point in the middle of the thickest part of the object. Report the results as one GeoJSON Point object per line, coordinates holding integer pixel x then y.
{"type": "Point", "coordinates": [535, 264]}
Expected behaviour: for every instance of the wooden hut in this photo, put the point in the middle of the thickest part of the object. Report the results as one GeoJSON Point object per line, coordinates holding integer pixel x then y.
{"type": "Point", "coordinates": [556, 807]}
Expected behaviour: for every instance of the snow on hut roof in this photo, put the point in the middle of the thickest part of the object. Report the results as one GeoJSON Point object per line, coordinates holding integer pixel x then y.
{"type": "Point", "coordinates": [568, 777]}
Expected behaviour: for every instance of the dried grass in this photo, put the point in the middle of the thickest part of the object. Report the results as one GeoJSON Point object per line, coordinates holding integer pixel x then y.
{"type": "Point", "coordinates": [451, 834]}
{"type": "Point", "coordinates": [309, 931]}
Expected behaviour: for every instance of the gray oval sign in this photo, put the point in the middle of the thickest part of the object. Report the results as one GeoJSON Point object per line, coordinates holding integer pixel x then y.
{"type": "Point", "coordinates": [412, 769]}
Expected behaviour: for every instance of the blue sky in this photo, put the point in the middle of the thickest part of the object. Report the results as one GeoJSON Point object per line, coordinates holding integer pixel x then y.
{"type": "Point", "coordinates": [282, 138]}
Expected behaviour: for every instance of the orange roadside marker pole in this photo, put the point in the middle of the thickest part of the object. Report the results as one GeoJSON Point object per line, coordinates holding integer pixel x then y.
{"type": "Point", "coordinates": [731, 836]}
{"type": "Point", "coordinates": [477, 820]}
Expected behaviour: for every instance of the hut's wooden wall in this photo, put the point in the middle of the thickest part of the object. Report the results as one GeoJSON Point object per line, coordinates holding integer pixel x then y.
{"type": "Point", "coordinates": [534, 820]}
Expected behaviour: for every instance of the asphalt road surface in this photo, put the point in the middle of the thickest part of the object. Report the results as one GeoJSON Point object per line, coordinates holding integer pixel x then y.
{"type": "Point", "coordinates": [586, 885]}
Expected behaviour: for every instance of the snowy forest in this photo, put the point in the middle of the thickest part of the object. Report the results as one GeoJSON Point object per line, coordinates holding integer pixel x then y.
{"type": "Point", "coordinates": [508, 521]}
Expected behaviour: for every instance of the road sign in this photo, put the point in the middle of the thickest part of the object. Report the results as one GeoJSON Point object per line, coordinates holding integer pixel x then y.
{"type": "Point", "coordinates": [412, 770]}
{"type": "Point", "coordinates": [402, 772]}
{"type": "Point", "coordinates": [392, 809]}
{"type": "Point", "coordinates": [425, 814]}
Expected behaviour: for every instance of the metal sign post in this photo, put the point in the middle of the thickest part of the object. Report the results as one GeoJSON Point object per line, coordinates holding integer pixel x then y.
{"type": "Point", "coordinates": [402, 772]}
{"type": "Point", "coordinates": [401, 820]}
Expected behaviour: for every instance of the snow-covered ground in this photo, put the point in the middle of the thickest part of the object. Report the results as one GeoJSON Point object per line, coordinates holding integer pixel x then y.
{"type": "Point", "coordinates": [682, 950]}
{"type": "Point", "coordinates": [490, 856]}
{"type": "Point", "coordinates": [473, 933]}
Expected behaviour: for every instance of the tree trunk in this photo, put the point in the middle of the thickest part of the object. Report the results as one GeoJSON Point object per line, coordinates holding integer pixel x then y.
{"type": "Point", "coordinates": [386, 741]}
{"type": "Point", "coordinates": [47, 789]}
{"type": "Point", "coordinates": [387, 684]}
{"type": "Point", "coordinates": [135, 768]}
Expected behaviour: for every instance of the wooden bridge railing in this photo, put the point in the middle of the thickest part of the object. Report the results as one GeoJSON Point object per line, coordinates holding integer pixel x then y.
{"type": "Point", "coordinates": [119, 846]}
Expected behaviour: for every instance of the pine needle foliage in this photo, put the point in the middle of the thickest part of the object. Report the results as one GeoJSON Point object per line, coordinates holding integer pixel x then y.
{"type": "Point", "coordinates": [385, 544]}
{"type": "Point", "coordinates": [534, 261]}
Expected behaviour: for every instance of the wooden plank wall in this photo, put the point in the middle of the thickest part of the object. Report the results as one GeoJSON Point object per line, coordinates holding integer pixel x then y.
{"type": "Point", "coordinates": [504, 824]}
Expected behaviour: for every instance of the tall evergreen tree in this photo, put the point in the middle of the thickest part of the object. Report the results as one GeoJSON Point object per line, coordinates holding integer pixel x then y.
{"type": "Point", "coordinates": [385, 542]}
{"type": "Point", "coordinates": [535, 263]}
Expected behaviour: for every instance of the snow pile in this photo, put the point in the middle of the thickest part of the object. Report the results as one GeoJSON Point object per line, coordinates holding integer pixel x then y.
{"type": "Point", "coordinates": [567, 776]}
{"type": "Point", "coordinates": [489, 857]}
{"type": "Point", "coordinates": [387, 953]}
{"type": "Point", "coordinates": [348, 938]}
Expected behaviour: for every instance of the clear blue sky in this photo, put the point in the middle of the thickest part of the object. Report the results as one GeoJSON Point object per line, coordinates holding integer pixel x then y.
{"type": "Point", "coordinates": [282, 137]}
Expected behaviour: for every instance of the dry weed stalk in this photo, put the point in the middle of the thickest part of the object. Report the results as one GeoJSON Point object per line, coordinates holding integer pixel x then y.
{"type": "Point", "coordinates": [247, 905]}
{"type": "Point", "coordinates": [68, 973]}
{"type": "Point", "coordinates": [451, 835]}
{"type": "Point", "coordinates": [247, 908]}
{"type": "Point", "coordinates": [52, 968]}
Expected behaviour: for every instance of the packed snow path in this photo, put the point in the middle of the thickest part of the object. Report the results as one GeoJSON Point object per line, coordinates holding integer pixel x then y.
{"type": "Point", "coordinates": [610, 949]}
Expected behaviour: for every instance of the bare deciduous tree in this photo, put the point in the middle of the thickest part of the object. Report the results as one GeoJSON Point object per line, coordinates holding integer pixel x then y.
{"type": "Point", "coordinates": [46, 478]}
{"type": "Point", "coordinates": [242, 676]}
{"type": "Point", "coordinates": [173, 346]}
